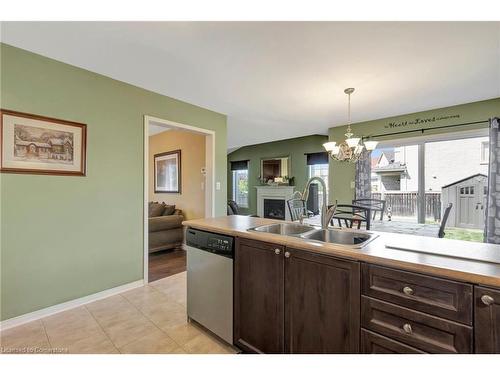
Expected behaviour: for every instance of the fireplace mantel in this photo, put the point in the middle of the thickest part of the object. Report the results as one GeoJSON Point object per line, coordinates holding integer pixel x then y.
{"type": "Point", "coordinates": [273, 192]}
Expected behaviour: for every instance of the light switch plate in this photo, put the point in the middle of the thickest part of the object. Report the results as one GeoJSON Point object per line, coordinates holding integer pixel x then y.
{"type": "Point", "coordinates": [353, 185]}
{"type": "Point", "coordinates": [217, 185]}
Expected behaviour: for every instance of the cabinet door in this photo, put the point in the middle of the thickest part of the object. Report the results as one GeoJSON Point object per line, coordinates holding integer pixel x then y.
{"type": "Point", "coordinates": [372, 343]}
{"type": "Point", "coordinates": [258, 297]}
{"type": "Point", "coordinates": [487, 320]}
{"type": "Point", "coordinates": [322, 298]}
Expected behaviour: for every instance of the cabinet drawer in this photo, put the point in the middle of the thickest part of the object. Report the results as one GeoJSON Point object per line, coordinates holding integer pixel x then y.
{"type": "Point", "coordinates": [372, 343]}
{"type": "Point", "coordinates": [420, 330]}
{"type": "Point", "coordinates": [444, 298]}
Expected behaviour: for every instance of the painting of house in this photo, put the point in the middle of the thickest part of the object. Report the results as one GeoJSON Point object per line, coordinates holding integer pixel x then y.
{"type": "Point", "coordinates": [38, 144]}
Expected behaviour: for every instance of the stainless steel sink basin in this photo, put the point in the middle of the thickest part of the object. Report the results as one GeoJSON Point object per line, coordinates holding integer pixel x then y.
{"type": "Point", "coordinates": [345, 237]}
{"type": "Point", "coordinates": [286, 229]}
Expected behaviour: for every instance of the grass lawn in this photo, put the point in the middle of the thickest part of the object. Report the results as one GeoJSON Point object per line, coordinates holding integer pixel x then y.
{"type": "Point", "coordinates": [474, 235]}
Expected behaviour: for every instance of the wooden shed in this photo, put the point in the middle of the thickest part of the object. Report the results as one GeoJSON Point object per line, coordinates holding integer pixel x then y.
{"type": "Point", "coordinates": [468, 197]}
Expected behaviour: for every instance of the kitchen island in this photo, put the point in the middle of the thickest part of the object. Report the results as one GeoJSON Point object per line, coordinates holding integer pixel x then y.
{"type": "Point", "coordinates": [398, 294]}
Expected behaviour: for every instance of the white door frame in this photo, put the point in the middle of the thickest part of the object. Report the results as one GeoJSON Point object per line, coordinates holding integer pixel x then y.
{"type": "Point", "coordinates": [210, 176]}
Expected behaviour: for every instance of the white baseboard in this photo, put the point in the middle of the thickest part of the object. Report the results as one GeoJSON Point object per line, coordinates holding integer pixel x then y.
{"type": "Point", "coordinates": [51, 310]}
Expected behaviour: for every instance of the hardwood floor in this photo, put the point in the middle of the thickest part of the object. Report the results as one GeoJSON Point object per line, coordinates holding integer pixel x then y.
{"type": "Point", "coordinates": [166, 263]}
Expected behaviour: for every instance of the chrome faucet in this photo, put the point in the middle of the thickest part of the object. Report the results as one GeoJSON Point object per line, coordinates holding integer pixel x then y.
{"type": "Point", "coordinates": [326, 213]}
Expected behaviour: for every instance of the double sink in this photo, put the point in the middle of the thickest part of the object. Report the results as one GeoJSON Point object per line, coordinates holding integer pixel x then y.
{"type": "Point", "coordinates": [355, 239]}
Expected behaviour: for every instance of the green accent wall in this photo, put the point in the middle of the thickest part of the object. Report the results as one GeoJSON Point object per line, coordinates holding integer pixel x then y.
{"type": "Point", "coordinates": [342, 174]}
{"type": "Point", "coordinates": [67, 237]}
{"type": "Point", "coordinates": [295, 148]}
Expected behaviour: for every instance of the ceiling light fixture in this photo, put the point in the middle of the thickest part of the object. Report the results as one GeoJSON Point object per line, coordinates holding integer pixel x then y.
{"type": "Point", "coordinates": [351, 150]}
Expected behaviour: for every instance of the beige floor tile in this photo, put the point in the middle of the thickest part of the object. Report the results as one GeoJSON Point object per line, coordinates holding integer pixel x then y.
{"type": "Point", "coordinates": [155, 343]}
{"type": "Point", "coordinates": [183, 333]}
{"type": "Point", "coordinates": [27, 338]}
{"type": "Point", "coordinates": [110, 306]}
{"type": "Point", "coordinates": [150, 319]}
{"type": "Point", "coordinates": [125, 330]}
{"type": "Point", "coordinates": [204, 344]}
{"type": "Point", "coordinates": [145, 296]}
{"type": "Point", "coordinates": [173, 292]}
{"type": "Point", "coordinates": [98, 344]}
{"type": "Point", "coordinates": [167, 315]}
{"type": "Point", "coordinates": [67, 328]}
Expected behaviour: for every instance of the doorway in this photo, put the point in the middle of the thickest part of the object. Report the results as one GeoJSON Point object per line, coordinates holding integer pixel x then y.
{"type": "Point", "coordinates": [179, 163]}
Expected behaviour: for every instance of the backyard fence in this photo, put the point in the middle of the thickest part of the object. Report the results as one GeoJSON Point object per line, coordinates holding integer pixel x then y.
{"type": "Point", "coordinates": [405, 203]}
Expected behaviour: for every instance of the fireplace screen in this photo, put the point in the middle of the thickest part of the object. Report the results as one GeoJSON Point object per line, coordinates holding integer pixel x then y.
{"type": "Point", "coordinates": [274, 209]}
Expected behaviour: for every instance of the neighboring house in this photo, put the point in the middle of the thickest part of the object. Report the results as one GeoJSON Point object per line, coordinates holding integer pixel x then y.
{"type": "Point", "coordinates": [396, 169]}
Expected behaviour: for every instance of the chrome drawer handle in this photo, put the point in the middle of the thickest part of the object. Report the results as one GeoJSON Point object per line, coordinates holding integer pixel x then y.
{"type": "Point", "coordinates": [277, 251]}
{"type": "Point", "coordinates": [408, 291]}
{"type": "Point", "coordinates": [287, 254]}
{"type": "Point", "coordinates": [487, 300]}
{"type": "Point", "coordinates": [407, 328]}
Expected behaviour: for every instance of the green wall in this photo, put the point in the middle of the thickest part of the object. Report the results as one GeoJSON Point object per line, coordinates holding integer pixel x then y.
{"type": "Point", "coordinates": [295, 148]}
{"type": "Point", "coordinates": [66, 237]}
{"type": "Point", "coordinates": [342, 174]}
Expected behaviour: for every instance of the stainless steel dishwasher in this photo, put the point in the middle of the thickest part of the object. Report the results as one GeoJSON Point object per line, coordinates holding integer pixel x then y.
{"type": "Point", "coordinates": [210, 281]}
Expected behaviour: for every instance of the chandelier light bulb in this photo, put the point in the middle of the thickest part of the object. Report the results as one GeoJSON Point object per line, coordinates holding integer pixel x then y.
{"type": "Point", "coordinates": [352, 142]}
{"type": "Point", "coordinates": [371, 145]}
{"type": "Point", "coordinates": [329, 145]}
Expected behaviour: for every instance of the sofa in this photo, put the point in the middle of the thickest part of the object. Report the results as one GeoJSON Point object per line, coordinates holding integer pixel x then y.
{"type": "Point", "coordinates": [165, 227]}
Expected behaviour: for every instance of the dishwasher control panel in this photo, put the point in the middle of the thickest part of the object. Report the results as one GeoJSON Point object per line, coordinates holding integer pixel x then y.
{"type": "Point", "coordinates": [212, 242]}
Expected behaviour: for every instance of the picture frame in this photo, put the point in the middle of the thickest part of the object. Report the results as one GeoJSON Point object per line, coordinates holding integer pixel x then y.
{"type": "Point", "coordinates": [167, 172]}
{"type": "Point", "coordinates": [33, 144]}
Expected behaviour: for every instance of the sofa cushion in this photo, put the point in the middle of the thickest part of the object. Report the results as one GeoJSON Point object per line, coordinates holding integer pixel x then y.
{"type": "Point", "coordinates": [156, 209]}
{"type": "Point", "coordinates": [165, 222]}
{"type": "Point", "coordinates": [169, 210]}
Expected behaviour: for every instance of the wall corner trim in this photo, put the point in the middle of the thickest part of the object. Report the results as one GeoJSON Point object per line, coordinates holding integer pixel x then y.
{"type": "Point", "coordinates": [51, 310]}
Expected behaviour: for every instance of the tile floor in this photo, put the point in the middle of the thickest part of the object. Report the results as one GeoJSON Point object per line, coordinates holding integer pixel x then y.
{"type": "Point", "coordinates": [149, 319]}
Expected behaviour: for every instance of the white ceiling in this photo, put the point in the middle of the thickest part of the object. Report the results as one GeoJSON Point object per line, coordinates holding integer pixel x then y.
{"type": "Point", "coordinates": [154, 129]}
{"type": "Point", "coordinates": [278, 80]}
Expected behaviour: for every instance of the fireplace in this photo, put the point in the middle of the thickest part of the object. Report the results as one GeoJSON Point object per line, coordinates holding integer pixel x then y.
{"type": "Point", "coordinates": [275, 209]}
{"type": "Point", "coordinates": [276, 197]}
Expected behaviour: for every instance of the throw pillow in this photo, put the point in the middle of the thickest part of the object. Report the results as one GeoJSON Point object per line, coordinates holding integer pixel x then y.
{"type": "Point", "coordinates": [169, 210]}
{"type": "Point", "coordinates": [156, 209]}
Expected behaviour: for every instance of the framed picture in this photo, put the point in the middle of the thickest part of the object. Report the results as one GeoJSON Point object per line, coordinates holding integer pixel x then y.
{"type": "Point", "coordinates": [41, 145]}
{"type": "Point", "coordinates": [167, 171]}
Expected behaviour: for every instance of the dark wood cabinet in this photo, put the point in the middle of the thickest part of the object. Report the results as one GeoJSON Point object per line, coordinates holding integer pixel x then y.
{"type": "Point", "coordinates": [321, 304]}
{"type": "Point", "coordinates": [486, 320]}
{"type": "Point", "coordinates": [297, 301]}
{"type": "Point", "coordinates": [440, 297]}
{"type": "Point", "coordinates": [419, 330]}
{"type": "Point", "coordinates": [258, 296]}
{"type": "Point", "coordinates": [372, 343]}
{"type": "Point", "coordinates": [293, 301]}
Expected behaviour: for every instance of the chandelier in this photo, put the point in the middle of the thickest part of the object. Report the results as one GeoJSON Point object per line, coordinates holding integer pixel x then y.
{"type": "Point", "coordinates": [351, 149]}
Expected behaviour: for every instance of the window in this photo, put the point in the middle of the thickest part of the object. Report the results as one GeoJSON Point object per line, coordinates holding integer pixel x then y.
{"type": "Point", "coordinates": [485, 151]}
{"type": "Point", "coordinates": [240, 187]}
{"type": "Point", "coordinates": [319, 170]}
{"type": "Point", "coordinates": [240, 182]}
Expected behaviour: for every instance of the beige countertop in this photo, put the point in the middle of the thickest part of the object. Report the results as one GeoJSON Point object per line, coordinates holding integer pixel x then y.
{"type": "Point", "coordinates": [434, 256]}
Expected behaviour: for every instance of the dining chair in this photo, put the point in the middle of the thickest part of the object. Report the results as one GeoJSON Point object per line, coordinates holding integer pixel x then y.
{"type": "Point", "coordinates": [297, 208]}
{"type": "Point", "coordinates": [351, 214]}
{"type": "Point", "coordinates": [375, 205]}
{"type": "Point", "coordinates": [447, 210]}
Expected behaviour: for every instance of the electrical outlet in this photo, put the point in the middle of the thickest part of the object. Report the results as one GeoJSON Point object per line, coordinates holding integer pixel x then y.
{"type": "Point", "coordinates": [217, 185]}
